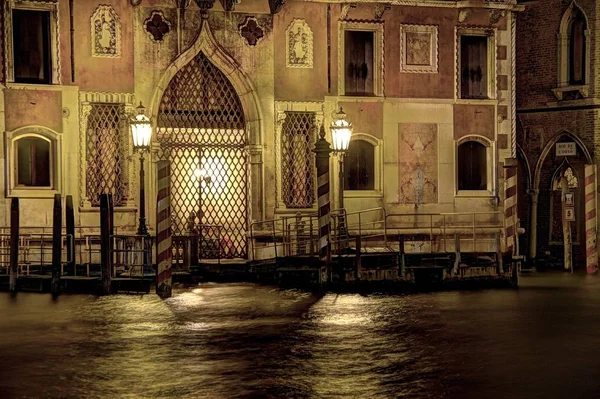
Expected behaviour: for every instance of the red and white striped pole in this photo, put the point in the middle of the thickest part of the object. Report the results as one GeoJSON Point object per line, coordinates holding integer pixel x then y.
{"type": "Point", "coordinates": [591, 255]}
{"type": "Point", "coordinates": [322, 151]}
{"type": "Point", "coordinates": [164, 254]}
{"type": "Point", "coordinates": [510, 205]}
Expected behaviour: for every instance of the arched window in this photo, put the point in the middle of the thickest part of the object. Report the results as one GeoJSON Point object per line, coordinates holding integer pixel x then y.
{"type": "Point", "coordinates": [33, 165]}
{"type": "Point", "coordinates": [573, 55]}
{"type": "Point", "coordinates": [360, 166]}
{"type": "Point", "coordinates": [33, 162]}
{"type": "Point", "coordinates": [577, 45]}
{"type": "Point", "coordinates": [472, 166]}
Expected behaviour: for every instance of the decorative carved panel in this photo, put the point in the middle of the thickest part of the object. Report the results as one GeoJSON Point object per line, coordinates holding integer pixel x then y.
{"type": "Point", "coordinates": [156, 26]}
{"type": "Point", "coordinates": [251, 30]}
{"type": "Point", "coordinates": [419, 48]}
{"type": "Point", "coordinates": [417, 164]}
{"type": "Point", "coordinates": [299, 45]}
{"type": "Point", "coordinates": [106, 32]}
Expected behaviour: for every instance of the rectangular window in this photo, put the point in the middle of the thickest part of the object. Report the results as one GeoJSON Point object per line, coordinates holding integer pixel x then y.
{"type": "Point", "coordinates": [359, 56]}
{"type": "Point", "coordinates": [360, 166]}
{"type": "Point", "coordinates": [474, 67]}
{"type": "Point", "coordinates": [31, 46]}
{"type": "Point", "coordinates": [33, 162]}
{"type": "Point", "coordinates": [298, 160]}
{"type": "Point", "coordinates": [104, 153]}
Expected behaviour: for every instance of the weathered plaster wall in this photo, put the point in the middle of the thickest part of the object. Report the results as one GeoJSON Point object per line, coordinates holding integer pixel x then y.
{"type": "Point", "coordinates": [99, 73]}
{"type": "Point", "coordinates": [301, 84]}
{"type": "Point", "coordinates": [33, 107]}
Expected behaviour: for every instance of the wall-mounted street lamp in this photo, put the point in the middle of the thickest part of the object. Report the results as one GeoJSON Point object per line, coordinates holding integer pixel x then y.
{"type": "Point", "coordinates": [141, 131]}
{"type": "Point", "coordinates": [341, 133]}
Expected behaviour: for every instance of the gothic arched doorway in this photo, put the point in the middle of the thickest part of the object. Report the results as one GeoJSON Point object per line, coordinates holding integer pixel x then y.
{"type": "Point", "coordinates": [201, 131]}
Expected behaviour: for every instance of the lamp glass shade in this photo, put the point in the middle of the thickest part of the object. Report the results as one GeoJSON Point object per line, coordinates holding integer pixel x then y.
{"type": "Point", "coordinates": [341, 132]}
{"type": "Point", "coordinates": [141, 130]}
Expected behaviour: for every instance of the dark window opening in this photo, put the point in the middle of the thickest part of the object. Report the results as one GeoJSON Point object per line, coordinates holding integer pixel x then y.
{"type": "Point", "coordinates": [358, 57]}
{"type": "Point", "coordinates": [472, 166]}
{"type": "Point", "coordinates": [33, 162]}
{"type": "Point", "coordinates": [360, 166]}
{"type": "Point", "coordinates": [31, 38]}
{"type": "Point", "coordinates": [474, 66]}
{"type": "Point", "coordinates": [577, 44]}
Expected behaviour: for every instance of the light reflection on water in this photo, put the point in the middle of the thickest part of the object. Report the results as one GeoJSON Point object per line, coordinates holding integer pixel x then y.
{"type": "Point", "coordinates": [244, 341]}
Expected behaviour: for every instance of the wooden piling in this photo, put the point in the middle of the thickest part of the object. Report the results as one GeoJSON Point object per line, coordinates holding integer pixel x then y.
{"type": "Point", "coordinates": [401, 251]}
{"type": "Point", "coordinates": [106, 236]}
{"type": "Point", "coordinates": [56, 245]}
{"type": "Point", "coordinates": [457, 258]}
{"type": "Point", "coordinates": [14, 244]}
{"type": "Point", "coordinates": [358, 256]}
{"type": "Point", "coordinates": [70, 224]}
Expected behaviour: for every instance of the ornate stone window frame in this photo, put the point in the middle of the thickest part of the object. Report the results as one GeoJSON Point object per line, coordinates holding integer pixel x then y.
{"type": "Point", "coordinates": [377, 191]}
{"type": "Point", "coordinates": [491, 34]}
{"type": "Point", "coordinates": [378, 60]}
{"type": "Point", "coordinates": [491, 167]}
{"type": "Point", "coordinates": [295, 25]}
{"type": "Point", "coordinates": [432, 30]}
{"type": "Point", "coordinates": [280, 109]}
{"type": "Point", "coordinates": [55, 139]}
{"type": "Point", "coordinates": [564, 40]}
{"type": "Point", "coordinates": [34, 5]}
{"type": "Point", "coordinates": [86, 99]}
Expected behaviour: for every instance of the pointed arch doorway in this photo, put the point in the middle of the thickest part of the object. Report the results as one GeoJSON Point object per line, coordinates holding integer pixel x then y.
{"type": "Point", "coordinates": [201, 131]}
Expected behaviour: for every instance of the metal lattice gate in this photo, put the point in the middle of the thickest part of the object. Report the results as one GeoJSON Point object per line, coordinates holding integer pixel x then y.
{"type": "Point", "coordinates": [201, 132]}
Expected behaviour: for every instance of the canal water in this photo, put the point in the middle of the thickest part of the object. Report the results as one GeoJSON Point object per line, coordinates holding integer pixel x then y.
{"type": "Point", "coordinates": [248, 341]}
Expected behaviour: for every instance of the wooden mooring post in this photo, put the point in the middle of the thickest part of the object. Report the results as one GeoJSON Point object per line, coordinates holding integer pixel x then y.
{"type": "Point", "coordinates": [70, 222]}
{"type": "Point", "coordinates": [56, 245]}
{"type": "Point", "coordinates": [106, 237]}
{"type": "Point", "coordinates": [164, 240]}
{"type": "Point", "coordinates": [14, 244]}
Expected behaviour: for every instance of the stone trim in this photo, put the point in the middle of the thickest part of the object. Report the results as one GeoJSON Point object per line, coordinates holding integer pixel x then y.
{"type": "Point", "coordinates": [280, 109]}
{"type": "Point", "coordinates": [378, 59]}
{"type": "Point", "coordinates": [491, 34]}
{"type": "Point", "coordinates": [432, 30]}
{"type": "Point", "coordinates": [50, 5]}
{"type": "Point", "coordinates": [86, 99]}
{"type": "Point", "coordinates": [56, 153]}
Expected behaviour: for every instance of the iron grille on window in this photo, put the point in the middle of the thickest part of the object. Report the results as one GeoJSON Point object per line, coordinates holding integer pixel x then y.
{"type": "Point", "coordinates": [201, 130]}
{"type": "Point", "coordinates": [104, 153]}
{"type": "Point", "coordinates": [297, 159]}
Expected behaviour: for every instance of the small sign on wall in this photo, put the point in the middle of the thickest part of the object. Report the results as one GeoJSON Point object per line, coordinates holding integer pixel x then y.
{"type": "Point", "coordinates": [569, 213]}
{"type": "Point", "coordinates": [566, 149]}
{"type": "Point", "coordinates": [569, 199]}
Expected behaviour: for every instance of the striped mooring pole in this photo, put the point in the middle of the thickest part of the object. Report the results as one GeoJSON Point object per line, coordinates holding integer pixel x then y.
{"type": "Point", "coordinates": [164, 254]}
{"type": "Point", "coordinates": [322, 151]}
{"type": "Point", "coordinates": [591, 254]}
{"type": "Point", "coordinates": [510, 204]}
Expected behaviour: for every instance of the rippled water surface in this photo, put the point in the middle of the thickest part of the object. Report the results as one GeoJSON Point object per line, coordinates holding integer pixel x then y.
{"type": "Point", "coordinates": [245, 341]}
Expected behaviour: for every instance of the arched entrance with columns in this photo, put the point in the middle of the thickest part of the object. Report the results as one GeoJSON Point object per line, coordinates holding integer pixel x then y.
{"type": "Point", "coordinates": [549, 170]}
{"type": "Point", "coordinates": [208, 127]}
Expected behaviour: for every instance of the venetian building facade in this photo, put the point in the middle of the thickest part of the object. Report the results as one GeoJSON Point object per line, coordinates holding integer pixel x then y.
{"type": "Point", "coordinates": [557, 102]}
{"type": "Point", "coordinates": [237, 92]}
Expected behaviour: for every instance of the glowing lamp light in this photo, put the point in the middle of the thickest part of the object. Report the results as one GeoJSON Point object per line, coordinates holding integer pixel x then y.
{"type": "Point", "coordinates": [141, 130]}
{"type": "Point", "coordinates": [341, 132]}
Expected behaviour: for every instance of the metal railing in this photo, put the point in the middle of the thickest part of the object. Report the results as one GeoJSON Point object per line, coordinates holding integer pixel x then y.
{"type": "Point", "coordinates": [367, 225]}
{"type": "Point", "coordinates": [439, 232]}
{"type": "Point", "coordinates": [284, 236]}
{"type": "Point", "coordinates": [35, 253]}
